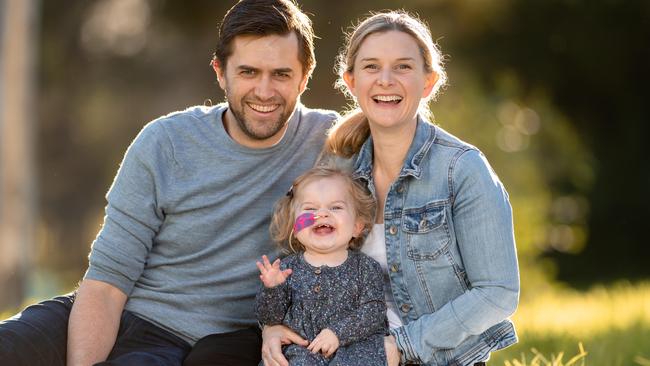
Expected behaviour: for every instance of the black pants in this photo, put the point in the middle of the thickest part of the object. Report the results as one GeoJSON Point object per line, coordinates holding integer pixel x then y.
{"type": "Point", "coordinates": [38, 336]}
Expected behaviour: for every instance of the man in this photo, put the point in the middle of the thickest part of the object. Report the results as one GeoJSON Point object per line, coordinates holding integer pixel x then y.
{"type": "Point", "coordinates": [188, 213]}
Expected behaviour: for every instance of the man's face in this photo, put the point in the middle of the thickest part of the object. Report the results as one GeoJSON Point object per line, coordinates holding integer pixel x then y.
{"type": "Point", "coordinates": [263, 80]}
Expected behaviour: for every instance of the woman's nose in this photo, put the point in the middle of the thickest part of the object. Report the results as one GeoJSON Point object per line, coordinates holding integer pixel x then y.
{"type": "Point", "coordinates": [385, 78]}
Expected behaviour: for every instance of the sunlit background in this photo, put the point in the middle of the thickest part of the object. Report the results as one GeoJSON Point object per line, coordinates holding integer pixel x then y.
{"type": "Point", "coordinates": [552, 91]}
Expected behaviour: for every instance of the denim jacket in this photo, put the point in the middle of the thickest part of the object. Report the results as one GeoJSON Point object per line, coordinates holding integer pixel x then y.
{"type": "Point", "coordinates": [451, 251]}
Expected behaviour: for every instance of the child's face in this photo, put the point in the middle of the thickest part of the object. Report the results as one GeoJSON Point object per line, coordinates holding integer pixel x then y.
{"type": "Point", "coordinates": [329, 199]}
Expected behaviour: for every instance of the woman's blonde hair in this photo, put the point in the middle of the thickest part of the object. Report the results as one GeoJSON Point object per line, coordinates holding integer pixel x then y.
{"type": "Point", "coordinates": [349, 133]}
{"type": "Point", "coordinates": [284, 213]}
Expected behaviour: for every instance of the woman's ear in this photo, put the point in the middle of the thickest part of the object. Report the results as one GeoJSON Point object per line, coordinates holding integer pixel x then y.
{"type": "Point", "coordinates": [348, 78]}
{"type": "Point", "coordinates": [431, 80]}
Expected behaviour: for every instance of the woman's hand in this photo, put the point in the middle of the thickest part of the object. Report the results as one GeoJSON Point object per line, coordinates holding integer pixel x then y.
{"type": "Point", "coordinates": [326, 342]}
{"type": "Point", "coordinates": [270, 274]}
{"type": "Point", "coordinates": [393, 355]}
{"type": "Point", "coordinates": [273, 337]}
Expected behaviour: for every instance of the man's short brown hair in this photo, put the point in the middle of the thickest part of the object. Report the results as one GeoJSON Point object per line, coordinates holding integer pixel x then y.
{"type": "Point", "coordinates": [263, 18]}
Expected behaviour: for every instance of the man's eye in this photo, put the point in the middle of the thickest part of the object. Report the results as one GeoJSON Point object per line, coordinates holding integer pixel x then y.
{"type": "Point", "coordinates": [282, 75]}
{"type": "Point", "coordinates": [247, 72]}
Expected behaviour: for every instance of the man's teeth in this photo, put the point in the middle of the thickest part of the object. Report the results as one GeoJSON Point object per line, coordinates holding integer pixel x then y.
{"type": "Point", "coordinates": [264, 108]}
{"type": "Point", "coordinates": [388, 98]}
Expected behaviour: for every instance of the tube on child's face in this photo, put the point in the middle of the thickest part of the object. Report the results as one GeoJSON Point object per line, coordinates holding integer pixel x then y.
{"type": "Point", "coordinates": [304, 220]}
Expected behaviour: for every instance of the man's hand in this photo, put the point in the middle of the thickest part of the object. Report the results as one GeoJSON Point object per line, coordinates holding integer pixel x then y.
{"type": "Point", "coordinates": [273, 338]}
{"type": "Point", "coordinates": [270, 274]}
{"type": "Point", "coordinates": [326, 342]}
{"type": "Point", "coordinates": [393, 355]}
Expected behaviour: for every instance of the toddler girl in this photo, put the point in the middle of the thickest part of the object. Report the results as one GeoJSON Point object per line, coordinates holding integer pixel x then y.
{"type": "Point", "coordinates": [325, 289]}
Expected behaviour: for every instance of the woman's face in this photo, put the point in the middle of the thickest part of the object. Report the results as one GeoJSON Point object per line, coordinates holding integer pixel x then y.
{"type": "Point", "coordinates": [389, 80]}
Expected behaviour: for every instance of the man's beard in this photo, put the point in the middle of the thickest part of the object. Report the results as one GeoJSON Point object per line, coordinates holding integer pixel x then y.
{"type": "Point", "coordinates": [268, 130]}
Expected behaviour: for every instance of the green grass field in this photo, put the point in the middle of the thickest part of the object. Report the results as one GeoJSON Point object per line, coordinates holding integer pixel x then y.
{"type": "Point", "coordinates": [611, 324]}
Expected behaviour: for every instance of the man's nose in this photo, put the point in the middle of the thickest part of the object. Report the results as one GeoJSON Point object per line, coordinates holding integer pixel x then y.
{"type": "Point", "coordinates": [264, 88]}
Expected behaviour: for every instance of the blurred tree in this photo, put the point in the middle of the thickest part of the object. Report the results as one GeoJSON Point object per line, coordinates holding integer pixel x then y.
{"type": "Point", "coordinates": [591, 58]}
{"type": "Point", "coordinates": [17, 203]}
{"type": "Point", "coordinates": [539, 86]}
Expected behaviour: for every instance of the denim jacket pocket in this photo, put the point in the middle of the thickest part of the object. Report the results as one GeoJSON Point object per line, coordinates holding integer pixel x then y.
{"type": "Point", "coordinates": [427, 232]}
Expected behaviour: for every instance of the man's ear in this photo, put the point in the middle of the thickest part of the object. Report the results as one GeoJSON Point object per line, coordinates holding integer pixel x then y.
{"type": "Point", "coordinates": [303, 83]}
{"type": "Point", "coordinates": [220, 72]}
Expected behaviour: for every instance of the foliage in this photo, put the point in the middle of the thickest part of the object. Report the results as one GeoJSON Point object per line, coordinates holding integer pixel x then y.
{"type": "Point", "coordinates": [613, 324]}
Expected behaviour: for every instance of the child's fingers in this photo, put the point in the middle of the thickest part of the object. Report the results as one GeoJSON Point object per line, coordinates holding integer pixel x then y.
{"type": "Point", "coordinates": [287, 272]}
{"type": "Point", "coordinates": [260, 267]}
{"type": "Point", "coordinates": [313, 346]}
{"type": "Point", "coordinates": [266, 262]}
{"type": "Point", "coordinates": [329, 351]}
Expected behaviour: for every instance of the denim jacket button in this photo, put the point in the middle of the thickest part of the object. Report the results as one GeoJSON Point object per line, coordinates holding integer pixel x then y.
{"type": "Point", "coordinates": [393, 230]}
{"type": "Point", "coordinates": [394, 268]}
{"type": "Point", "coordinates": [400, 188]}
{"type": "Point", "coordinates": [405, 308]}
{"type": "Point", "coordinates": [423, 223]}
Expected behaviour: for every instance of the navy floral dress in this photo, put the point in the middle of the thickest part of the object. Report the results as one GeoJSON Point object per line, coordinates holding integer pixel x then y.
{"type": "Point", "coordinates": [348, 299]}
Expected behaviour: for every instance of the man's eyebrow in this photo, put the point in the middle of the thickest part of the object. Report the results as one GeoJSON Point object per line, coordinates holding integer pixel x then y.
{"type": "Point", "coordinates": [283, 69]}
{"type": "Point", "coordinates": [246, 67]}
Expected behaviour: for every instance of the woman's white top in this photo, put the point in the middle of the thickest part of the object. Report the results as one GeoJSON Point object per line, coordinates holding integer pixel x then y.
{"type": "Point", "coordinates": [375, 248]}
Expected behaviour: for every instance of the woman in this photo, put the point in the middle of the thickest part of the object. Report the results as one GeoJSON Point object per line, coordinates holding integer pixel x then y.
{"type": "Point", "coordinates": [443, 232]}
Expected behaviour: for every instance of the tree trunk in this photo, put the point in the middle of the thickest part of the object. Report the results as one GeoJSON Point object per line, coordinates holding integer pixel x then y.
{"type": "Point", "coordinates": [17, 183]}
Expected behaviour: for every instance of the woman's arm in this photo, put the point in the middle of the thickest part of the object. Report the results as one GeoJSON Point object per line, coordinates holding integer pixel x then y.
{"type": "Point", "coordinates": [482, 220]}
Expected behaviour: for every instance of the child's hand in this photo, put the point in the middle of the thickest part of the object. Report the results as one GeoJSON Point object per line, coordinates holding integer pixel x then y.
{"type": "Point", "coordinates": [326, 342]}
{"type": "Point", "coordinates": [271, 275]}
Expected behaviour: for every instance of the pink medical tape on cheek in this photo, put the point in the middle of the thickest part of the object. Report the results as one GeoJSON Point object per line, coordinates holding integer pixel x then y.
{"type": "Point", "coordinates": [305, 220]}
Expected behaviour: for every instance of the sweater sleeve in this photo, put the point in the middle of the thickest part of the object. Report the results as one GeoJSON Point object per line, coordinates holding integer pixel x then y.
{"type": "Point", "coordinates": [272, 304]}
{"type": "Point", "coordinates": [133, 214]}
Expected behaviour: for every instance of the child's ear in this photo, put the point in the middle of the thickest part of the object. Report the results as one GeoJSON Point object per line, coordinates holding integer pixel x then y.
{"type": "Point", "coordinates": [358, 229]}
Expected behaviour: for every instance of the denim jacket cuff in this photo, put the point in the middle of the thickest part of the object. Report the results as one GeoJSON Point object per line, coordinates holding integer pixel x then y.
{"type": "Point", "coordinates": [408, 355]}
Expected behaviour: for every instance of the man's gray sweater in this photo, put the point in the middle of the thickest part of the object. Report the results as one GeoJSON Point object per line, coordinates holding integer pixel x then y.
{"type": "Point", "coordinates": [188, 216]}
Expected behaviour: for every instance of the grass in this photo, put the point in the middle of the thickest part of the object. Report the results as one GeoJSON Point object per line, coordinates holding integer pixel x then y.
{"type": "Point", "coordinates": [608, 326]}
{"type": "Point", "coordinates": [604, 326]}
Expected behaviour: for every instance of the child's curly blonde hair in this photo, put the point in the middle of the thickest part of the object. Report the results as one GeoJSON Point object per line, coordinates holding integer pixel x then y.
{"type": "Point", "coordinates": [284, 213]}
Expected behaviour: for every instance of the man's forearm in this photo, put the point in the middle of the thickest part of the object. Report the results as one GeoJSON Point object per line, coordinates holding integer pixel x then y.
{"type": "Point", "coordinates": [94, 322]}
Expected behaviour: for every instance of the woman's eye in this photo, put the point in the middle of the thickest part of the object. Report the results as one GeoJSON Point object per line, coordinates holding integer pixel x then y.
{"type": "Point", "coordinates": [371, 67]}
{"type": "Point", "coordinates": [403, 67]}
